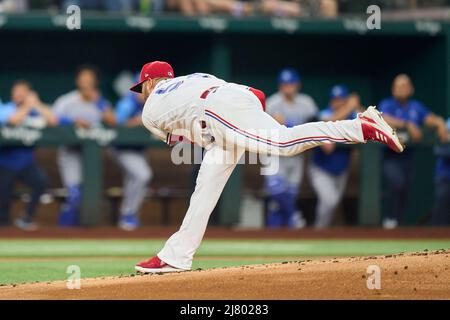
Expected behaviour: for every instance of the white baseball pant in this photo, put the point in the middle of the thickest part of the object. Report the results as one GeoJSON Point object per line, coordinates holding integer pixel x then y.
{"type": "Point", "coordinates": [137, 174]}
{"type": "Point", "coordinates": [329, 189]}
{"type": "Point", "coordinates": [235, 118]}
{"type": "Point", "coordinates": [70, 166]}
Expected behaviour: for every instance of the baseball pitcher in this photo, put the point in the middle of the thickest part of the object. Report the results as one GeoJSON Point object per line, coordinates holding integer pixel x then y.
{"type": "Point", "coordinates": [228, 119]}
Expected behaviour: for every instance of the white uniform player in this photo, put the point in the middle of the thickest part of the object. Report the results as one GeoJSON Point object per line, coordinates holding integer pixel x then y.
{"type": "Point", "coordinates": [82, 108]}
{"type": "Point", "coordinates": [289, 107]}
{"type": "Point", "coordinates": [228, 119]}
{"type": "Point", "coordinates": [133, 161]}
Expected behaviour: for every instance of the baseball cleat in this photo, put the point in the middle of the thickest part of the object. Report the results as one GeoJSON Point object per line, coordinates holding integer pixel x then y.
{"type": "Point", "coordinates": [155, 265]}
{"type": "Point", "coordinates": [26, 224]}
{"type": "Point", "coordinates": [389, 224]}
{"type": "Point", "coordinates": [375, 128]}
{"type": "Point", "coordinates": [129, 222]}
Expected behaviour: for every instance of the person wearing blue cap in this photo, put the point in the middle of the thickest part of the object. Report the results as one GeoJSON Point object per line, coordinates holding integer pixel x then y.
{"type": "Point", "coordinates": [133, 162]}
{"type": "Point", "coordinates": [289, 107]}
{"type": "Point", "coordinates": [328, 169]}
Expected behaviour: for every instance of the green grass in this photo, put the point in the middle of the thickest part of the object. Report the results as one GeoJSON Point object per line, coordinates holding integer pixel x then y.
{"type": "Point", "coordinates": [46, 260]}
{"type": "Point", "coordinates": [30, 271]}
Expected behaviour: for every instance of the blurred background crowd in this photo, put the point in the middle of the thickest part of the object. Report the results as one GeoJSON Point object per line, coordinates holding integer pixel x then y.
{"type": "Point", "coordinates": [328, 166]}
{"type": "Point", "coordinates": [237, 8]}
{"type": "Point", "coordinates": [321, 74]}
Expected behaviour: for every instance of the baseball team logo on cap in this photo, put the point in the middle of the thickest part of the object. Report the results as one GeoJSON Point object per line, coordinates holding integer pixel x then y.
{"type": "Point", "coordinates": [339, 91]}
{"type": "Point", "coordinates": [288, 76]}
{"type": "Point", "coordinates": [153, 70]}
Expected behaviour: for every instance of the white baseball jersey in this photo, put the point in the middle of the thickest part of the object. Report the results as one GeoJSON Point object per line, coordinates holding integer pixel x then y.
{"type": "Point", "coordinates": [301, 110]}
{"type": "Point", "coordinates": [71, 106]}
{"type": "Point", "coordinates": [173, 106]}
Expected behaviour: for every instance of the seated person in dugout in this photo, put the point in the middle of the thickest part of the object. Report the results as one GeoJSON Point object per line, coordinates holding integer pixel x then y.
{"type": "Point", "coordinates": [17, 163]}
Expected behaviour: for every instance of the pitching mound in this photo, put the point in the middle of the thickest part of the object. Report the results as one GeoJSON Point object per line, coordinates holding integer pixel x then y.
{"type": "Point", "coordinates": [424, 275]}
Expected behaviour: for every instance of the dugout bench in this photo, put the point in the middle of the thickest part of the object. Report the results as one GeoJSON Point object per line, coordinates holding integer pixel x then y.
{"type": "Point", "coordinates": [163, 195]}
{"type": "Point", "coordinates": [114, 196]}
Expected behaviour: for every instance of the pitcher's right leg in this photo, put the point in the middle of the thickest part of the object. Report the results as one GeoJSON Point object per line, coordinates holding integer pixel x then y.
{"type": "Point", "coordinates": [258, 132]}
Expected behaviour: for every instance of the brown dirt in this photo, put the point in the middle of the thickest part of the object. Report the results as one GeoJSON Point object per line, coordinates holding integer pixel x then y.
{"type": "Point", "coordinates": [424, 275]}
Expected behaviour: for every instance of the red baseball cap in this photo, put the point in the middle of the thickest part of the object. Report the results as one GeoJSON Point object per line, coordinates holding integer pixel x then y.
{"type": "Point", "coordinates": [152, 70]}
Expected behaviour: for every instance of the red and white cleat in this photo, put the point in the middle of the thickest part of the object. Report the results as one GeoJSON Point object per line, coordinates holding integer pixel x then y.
{"type": "Point", "coordinates": [375, 128]}
{"type": "Point", "coordinates": [155, 265]}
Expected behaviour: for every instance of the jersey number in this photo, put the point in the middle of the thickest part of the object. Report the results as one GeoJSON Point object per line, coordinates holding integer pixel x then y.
{"type": "Point", "coordinates": [169, 88]}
